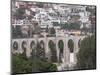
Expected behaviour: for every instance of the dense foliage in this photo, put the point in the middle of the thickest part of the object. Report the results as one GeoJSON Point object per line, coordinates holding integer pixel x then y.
{"type": "Point", "coordinates": [71, 26]}
{"type": "Point", "coordinates": [22, 64]}
{"type": "Point", "coordinates": [87, 54]}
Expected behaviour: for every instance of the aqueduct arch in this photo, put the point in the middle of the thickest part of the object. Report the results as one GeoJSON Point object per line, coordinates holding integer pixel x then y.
{"type": "Point", "coordinates": [55, 52]}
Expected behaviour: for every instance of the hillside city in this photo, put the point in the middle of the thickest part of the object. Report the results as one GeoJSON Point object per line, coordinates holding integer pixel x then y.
{"type": "Point", "coordinates": [31, 17]}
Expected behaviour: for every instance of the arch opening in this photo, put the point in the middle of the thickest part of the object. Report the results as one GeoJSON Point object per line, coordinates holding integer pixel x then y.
{"type": "Point", "coordinates": [42, 44]}
{"type": "Point", "coordinates": [71, 45]}
{"type": "Point", "coordinates": [71, 50]}
{"type": "Point", "coordinates": [24, 44]}
{"type": "Point", "coordinates": [42, 50]}
{"type": "Point", "coordinates": [33, 48]}
{"type": "Point", "coordinates": [79, 43]}
{"type": "Point", "coordinates": [15, 45]}
{"type": "Point", "coordinates": [32, 45]}
{"type": "Point", "coordinates": [52, 47]}
{"type": "Point", "coordinates": [61, 50]}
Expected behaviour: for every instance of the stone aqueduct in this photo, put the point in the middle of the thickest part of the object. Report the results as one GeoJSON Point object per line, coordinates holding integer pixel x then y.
{"type": "Point", "coordinates": [66, 52]}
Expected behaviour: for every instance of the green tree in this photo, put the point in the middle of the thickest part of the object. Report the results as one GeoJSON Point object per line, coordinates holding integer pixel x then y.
{"type": "Point", "coordinates": [40, 4]}
{"type": "Point", "coordinates": [71, 26]}
{"type": "Point", "coordinates": [52, 30]}
{"type": "Point", "coordinates": [16, 32]}
{"type": "Point", "coordinates": [20, 13]}
{"type": "Point", "coordinates": [86, 56]}
{"type": "Point", "coordinates": [22, 64]}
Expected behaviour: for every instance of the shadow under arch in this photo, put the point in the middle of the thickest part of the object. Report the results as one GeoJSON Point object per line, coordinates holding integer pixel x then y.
{"type": "Point", "coordinates": [15, 45]}
{"type": "Point", "coordinates": [33, 48]}
{"type": "Point", "coordinates": [24, 48]}
{"type": "Point", "coordinates": [42, 49]}
{"type": "Point", "coordinates": [32, 45]}
{"type": "Point", "coordinates": [61, 48]}
{"type": "Point", "coordinates": [79, 43]}
{"type": "Point", "coordinates": [71, 45]}
{"type": "Point", "coordinates": [71, 50]}
{"type": "Point", "coordinates": [52, 47]}
{"type": "Point", "coordinates": [42, 44]}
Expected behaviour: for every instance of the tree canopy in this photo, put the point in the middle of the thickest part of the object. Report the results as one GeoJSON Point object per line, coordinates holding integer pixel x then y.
{"type": "Point", "coordinates": [71, 26]}
{"type": "Point", "coordinates": [87, 54]}
{"type": "Point", "coordinates": [22, 64]}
